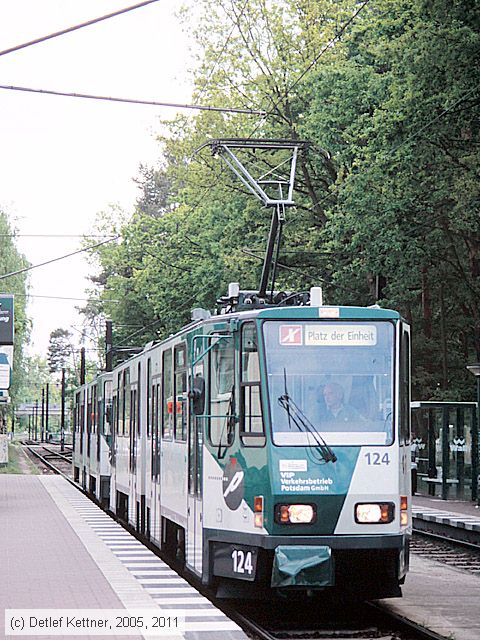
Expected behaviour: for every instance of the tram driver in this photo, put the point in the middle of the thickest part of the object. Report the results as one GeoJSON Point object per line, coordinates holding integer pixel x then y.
{"type": "Point", "coordinates": [336, 409]}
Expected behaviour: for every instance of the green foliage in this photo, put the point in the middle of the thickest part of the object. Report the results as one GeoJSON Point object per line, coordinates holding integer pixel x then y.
{"type": "Point", "coordinates": [60, 350]}
{"type": "Point", "coordinates": [388, 192]}
{"type": "Point", "coordinates": [36, 374]}
{"type": "Point", "coordinates": [11, 260]}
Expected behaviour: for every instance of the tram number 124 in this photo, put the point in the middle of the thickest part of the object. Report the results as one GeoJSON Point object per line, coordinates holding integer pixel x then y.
{"type": "Point", "coordinates": [235, 561]}
{"type": "Point", "coordinates": [242, 561]}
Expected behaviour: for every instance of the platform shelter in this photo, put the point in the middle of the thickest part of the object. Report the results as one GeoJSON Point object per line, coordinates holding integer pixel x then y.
{"type": "Point", "coordinates": [445, 449]}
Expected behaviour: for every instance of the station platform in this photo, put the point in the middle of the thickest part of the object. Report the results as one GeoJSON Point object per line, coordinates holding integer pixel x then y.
{"type": "Point", "coordinates": [58, 550]}
{"type": "Point", "coordinates": [453, 513]}
{"type": "Point", "coordinates": [436, 596]}
{"type": "Point", "coordinates": [440, 598]}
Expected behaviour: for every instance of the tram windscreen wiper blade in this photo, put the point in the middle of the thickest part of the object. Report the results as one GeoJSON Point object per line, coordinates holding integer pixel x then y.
{"type": "Point", "coordinates": [300, 420]}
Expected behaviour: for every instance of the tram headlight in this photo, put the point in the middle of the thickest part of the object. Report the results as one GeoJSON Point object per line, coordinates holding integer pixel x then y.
{"type": "Point", "coordinates": [295, 513]}
{"type": "Point", "coordinates": [374, 512]}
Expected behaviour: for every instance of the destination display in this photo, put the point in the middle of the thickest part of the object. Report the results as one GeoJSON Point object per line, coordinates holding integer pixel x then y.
{"type": "Point", "coordinates": [328, 335]}
{"type": "Point", "coordinates": [334, 335]}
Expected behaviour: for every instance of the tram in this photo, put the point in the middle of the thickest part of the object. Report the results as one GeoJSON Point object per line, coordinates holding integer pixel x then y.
{"type": "Point", "coordinates": [266, 449]}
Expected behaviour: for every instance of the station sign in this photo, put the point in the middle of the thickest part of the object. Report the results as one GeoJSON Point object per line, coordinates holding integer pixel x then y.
{"type": "Point", "coordinates": [6, 320]}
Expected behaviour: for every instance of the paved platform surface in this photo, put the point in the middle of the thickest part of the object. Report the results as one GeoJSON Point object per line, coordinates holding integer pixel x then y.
{"type": "Point", "coordinates": [455, 513]}
{"type": "Point", "coordinates": [60, 551]}
{"type": "Point", "coordinates": [440, 598]}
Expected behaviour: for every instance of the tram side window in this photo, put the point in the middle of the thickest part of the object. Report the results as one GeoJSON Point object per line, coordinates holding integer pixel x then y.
{"type": "Point", "coordinates": [82, 424]}
{"type": "Point", "coordinates": [89, 411]}
{"type": "Point", "coordinates": [120, 405]}
{"type": "Point", "coordinates": [126, 399]}
{"type": "Point", "coordinates": [76, 414]}
{"type": "Point", "coordinates": [107, 403]}
{"type": "Point", "coordinates": [221, 397]}
{"type": "Point", "coordinates": [405, 388]}
{"type": "Point", "coordinates": [133, 411]}
{"type": "Point", "coordinates": [251, 419]}
{"type": "Point", "coordinates": [138, 403]}
{"type": "Point", "coordinates": [154, 425]}
{"type": "Point", "coordinates": [167, 398]}
{"type": "Point", "coordinates": [181, 393]}
{"type": "Point", "coordinates": [155, 430]}
{"type": "Point", "coordinates": [149, 397]}
{"type": "Point", "coordinates": [94, 410]}
{"type": "Point", "coordinates": [115, 413]}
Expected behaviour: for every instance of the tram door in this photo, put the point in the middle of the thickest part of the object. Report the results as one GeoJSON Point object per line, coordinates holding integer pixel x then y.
{"type": "Point", "coordinates": [194, 550]}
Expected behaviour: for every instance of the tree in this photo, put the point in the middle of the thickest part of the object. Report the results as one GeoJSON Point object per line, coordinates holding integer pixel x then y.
{"type": "Point", "coordinates": [60, 350]}
{"type": "Point", "coordinates": [387, 194]}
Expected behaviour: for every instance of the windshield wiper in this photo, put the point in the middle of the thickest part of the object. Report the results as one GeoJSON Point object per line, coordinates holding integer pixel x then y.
{"type": "Point", "coordinates": [303, 424]}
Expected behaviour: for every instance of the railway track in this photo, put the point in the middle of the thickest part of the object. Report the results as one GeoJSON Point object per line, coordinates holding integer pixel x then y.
{"type": "Point", "coordinates": [56, 461]}
{"type": "Point", "coordinates": [459, 554]}
{"type": "Point", "coordinates": [297, 621]}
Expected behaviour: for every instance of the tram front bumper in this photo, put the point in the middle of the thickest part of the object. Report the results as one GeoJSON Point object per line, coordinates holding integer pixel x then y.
{"type": "Point", "coordinates": [302, 566]}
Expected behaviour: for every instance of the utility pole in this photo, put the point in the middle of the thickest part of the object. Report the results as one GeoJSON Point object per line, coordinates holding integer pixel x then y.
{"type": "Point", "coordinates": [47, 399]}
{"type": "Point", "coordinates": [42, 420]}
{"type": "Point", "coordinates": [62, 424]}
{"type": "Point", "coordinates": [35, 422]}
{"type": "Point", "coordinates": [108, 346]}
{"type": "Point", "coordinates": [82, 365]}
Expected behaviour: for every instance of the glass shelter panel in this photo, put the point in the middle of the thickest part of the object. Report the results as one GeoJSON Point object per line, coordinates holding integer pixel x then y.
{"type": "Point", "coordinates": [442, 435]}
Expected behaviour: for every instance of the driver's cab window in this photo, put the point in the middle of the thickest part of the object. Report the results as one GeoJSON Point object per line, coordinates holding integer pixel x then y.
{"type": "Point", "coordinates": [251, 417]}
{"type": "Point", "coordinates": [221, 386]}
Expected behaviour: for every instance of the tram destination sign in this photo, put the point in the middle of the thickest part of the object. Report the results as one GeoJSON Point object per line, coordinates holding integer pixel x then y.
{"type": "Point", "coordinates": [6, 320]}
{"type": "Point", "coordinates": [344, 335]}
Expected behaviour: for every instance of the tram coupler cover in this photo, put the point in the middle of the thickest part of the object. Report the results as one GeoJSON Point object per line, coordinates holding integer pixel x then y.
{"type": "Point", "coordinates": [300, 566]}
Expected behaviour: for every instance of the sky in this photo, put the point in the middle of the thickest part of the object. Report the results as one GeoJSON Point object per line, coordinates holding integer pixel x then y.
{"type": "Point", "coordinates": [64, 160]}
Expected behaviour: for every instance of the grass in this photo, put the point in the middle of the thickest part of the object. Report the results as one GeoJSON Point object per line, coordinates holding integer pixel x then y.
{"type": "Point", "coordinates": [18, 462]}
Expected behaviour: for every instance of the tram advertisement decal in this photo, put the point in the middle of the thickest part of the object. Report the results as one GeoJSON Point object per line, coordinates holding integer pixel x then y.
{"type": "Point", "coordinates": [233, 484]}
{"type": "Point", "coordinates": [304, 475]}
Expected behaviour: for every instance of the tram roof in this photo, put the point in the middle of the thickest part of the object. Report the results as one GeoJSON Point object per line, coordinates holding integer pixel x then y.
{"type": "Point", "coordinates": [293, 313]}
{"type": "Point", "coordinates": [330, 312]}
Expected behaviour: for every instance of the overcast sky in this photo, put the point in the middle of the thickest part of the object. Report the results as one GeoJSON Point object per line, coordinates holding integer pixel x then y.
{"type": "Point", "coordinates": [63, 160]}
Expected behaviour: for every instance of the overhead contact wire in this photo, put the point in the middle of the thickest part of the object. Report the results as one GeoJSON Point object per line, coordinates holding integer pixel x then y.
{"type": "Point", "coordinates": [153, 103]}
{"type": "Point", "coordinates": [56, 34]}
{"type": "Point", "coordinates": [68, 255]}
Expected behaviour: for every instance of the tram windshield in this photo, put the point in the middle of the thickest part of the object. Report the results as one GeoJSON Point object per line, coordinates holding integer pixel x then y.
{"type": "Point", "coordinates": [340, 376]}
